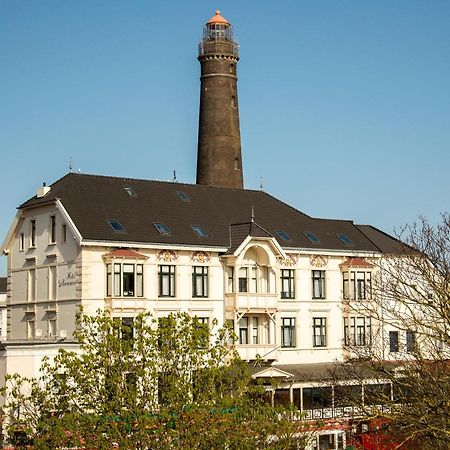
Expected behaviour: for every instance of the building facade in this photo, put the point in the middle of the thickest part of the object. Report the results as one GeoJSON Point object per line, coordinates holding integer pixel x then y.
{"type": "Point", "coordinates": [282, 279]}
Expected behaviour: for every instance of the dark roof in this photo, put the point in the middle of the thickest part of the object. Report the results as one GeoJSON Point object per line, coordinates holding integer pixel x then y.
{"type": "Point", "coordinates": [92, 200]}
{"type": "Point", "coordinates": [385, 242]}
{"type": "Point", "coordinates": [3, 284]}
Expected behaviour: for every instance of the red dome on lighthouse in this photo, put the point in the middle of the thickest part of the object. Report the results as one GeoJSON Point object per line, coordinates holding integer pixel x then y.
{"type": "Point", "coordinates": [218, 19]}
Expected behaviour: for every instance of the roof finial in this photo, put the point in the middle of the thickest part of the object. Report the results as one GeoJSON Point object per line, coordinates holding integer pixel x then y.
{"type": "Point", "coordinates": [70, 164]}
{"type": "Point", "coordinates": [174, 176]}
{"type": "Point", "coordinates": [253, 213]}
{"type": "Point", "coordinates": [261, 183]}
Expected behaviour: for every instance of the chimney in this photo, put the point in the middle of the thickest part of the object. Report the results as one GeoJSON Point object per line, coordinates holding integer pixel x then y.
{"type": "Point", "coordinates": [43, 190]}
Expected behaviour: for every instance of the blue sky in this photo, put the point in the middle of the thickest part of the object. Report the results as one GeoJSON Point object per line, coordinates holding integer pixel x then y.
{"type": "Point", "coordinates": [344, 105]}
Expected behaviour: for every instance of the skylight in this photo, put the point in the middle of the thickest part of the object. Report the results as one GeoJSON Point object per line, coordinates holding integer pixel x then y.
{"type": "Point", "coordinates": [345, 239]}
{"type": "Point", "coordinates": [311, 236]}
{"type": "Point", "coordinates": [183, 196]}
{"type": "Point", "coordinates": [200, 231]}
{"type": "Point", "coordinates": [130, 191]}
{"type": "Point", "coordinates": [162, 228]}
{"type": "Point", "coordinates": [283, 235]}
{"type": "Point", "coordinates": [116, 225]}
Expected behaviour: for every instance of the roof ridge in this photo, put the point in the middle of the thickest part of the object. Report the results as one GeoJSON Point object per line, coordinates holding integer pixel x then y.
{"type": "Point", "coordinates": [116, 177]}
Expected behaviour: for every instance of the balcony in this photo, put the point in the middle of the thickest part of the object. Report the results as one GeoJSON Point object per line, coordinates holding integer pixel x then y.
{"type": "Point", "coordinates": [258, 351]}
{"type": "Point", "coordinates": [251, 301]}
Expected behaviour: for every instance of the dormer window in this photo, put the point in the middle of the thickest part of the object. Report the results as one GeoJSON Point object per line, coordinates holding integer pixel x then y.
{"type": "Point", "coordinates": [345, 239]}
{"type": "Point", "coordinates": [311, 237]}
{"type": "Point", "coordinates": [116, 225]}
{"type": "Point", "coordinates": [130, 191]}
{"type": "Point", "coordinates": [199, 231]}
{"type": "Point", "coordinates": [162, 228]}
{"type": "Point", "coordinates": [283, 235]}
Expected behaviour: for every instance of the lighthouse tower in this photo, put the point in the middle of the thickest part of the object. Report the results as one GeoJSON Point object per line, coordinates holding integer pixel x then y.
{"type": "Point", "coordinates": [219, 161]}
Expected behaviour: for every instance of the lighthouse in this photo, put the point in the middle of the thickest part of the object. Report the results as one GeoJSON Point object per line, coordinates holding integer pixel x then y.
{"type": "Point", "coordinates": [219, 161]}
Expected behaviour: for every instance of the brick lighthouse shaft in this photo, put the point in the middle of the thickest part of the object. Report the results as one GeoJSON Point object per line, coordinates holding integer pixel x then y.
{"type": "Point", "coordinates": [219, 161]}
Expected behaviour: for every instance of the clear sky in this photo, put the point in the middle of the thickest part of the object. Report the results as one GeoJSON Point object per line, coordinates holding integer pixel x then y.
{"type": "Point", "coordinates": [344, 105]}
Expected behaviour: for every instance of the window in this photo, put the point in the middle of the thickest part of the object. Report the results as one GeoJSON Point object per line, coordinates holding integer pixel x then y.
{"type": "Point", "coordinates": [52, 234]}
{"type": "Point", "coordinates": [52, 281]}
{"type": "Point", "coordinates": [319, 332]}
{"type": "Point", "coordinates": [243, 330]}
{"type": "Point", "coordinates": [31, 329]}
{"type": "Point", "coordinates": [51, 327]}
{"type": "Point", "coordinates": [230, 272]}
{"type": "Point", "coordinates": [318, 284]}
{"type": "Point", "coordinates": [162, 228]}
{"type": "Point", "coordinates": [21, 242]}
{"type": "Point", "coordinates": [243, 283]}
{"type": "Point", "coordinates": [199, 231]}
{"type": "Point", "coordinates": [127, 328]}
{"type": "Point", "coordinates": [64, 233]}
{"type": "Point", "coordinates": [359, 287]}
{"type": "Point", "coordinates": [233, 101]}
{"type": "Point", "coordinates": [183, 196]}
{"type": "Point", "coordinates": [201, 335]}
{"type": "Point", "coordinates": [128, 280]}
{"type": "Point", "coordinates": [311, 237]}
{"type": "Point", "coordinates": [130, 191]}
{"type": "Point", "coordinates": [199, 281]}
{"type": "Point", "coordinates": [255, 330]}
{"type": "Point", "coordinates": [166, 281]}
{"type": "Point", "coordinates": [393, 341]}
{"type": "Point", "coordinates": [410, 341]}
{"type": "Point", "coordinates": [32, 233]}
{"type": "Point", "coordinates": [116, 225]}
{"type": "Point", "coordinates": [283, 235]}
{"type": "Point", "coordinates": [287, 283]}
{"type": "Point", "coordinates": [31, 285]}
{"type": "Point", "coordinates": [357, 331]}
{"type": "Point", "coordinates": [345, 239]}
{"type": "Point", "coordinates": [317, 398]}
{"type": "Point", "coordinates": [288, 332]}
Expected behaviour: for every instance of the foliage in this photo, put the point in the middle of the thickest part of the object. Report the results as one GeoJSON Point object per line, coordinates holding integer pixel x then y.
{"type": "Point", "coordinates": [164, 384]}
{"type": "Point", "coordinates": [412, 295]}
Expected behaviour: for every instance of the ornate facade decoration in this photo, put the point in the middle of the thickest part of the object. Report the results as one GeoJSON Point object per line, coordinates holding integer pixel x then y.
{"type": "Point", "coordinates": [167, 256]}
{"type": "Point", "coordinates": [289, 261]}
{"type": "Point", "coordinates": [318, 260]}
{"type": "Point", "coordinates": [200, 257]}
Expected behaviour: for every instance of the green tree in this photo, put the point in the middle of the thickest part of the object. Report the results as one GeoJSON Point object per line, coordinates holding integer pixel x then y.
{"type": "Point", "coordinates": [145, 384]}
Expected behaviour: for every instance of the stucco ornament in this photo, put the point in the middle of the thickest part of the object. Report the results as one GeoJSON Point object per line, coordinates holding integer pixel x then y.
{"type": "Point", "coordinates": [200, 257]}
{"type": "Point", "coordinates": [289, 261]}
{"type": "Point", "coordinates": [167, 256]}
{"type": "Point", "coordinates": [318, 260]}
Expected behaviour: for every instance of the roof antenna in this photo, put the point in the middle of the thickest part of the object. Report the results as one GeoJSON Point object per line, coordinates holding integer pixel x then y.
{"type": "Point", "coordinates": [261, 183]}
{"type": "Point", "coordinates": [175, 176]}
{"type": "Point", "coordinates": [70, 164]}
{"type": "Point", "coordinates": [253, 213]}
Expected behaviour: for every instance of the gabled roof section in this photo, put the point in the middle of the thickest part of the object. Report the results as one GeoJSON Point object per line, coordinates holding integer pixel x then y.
{"type": "Point", "coordinates": [270, 372]}
{"type": "Point", "coordinates": [355, 262]}
{"type": "Point", "coordinates": [92, 200]}
{"type": "Point", "coordinates": [240, 231]}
